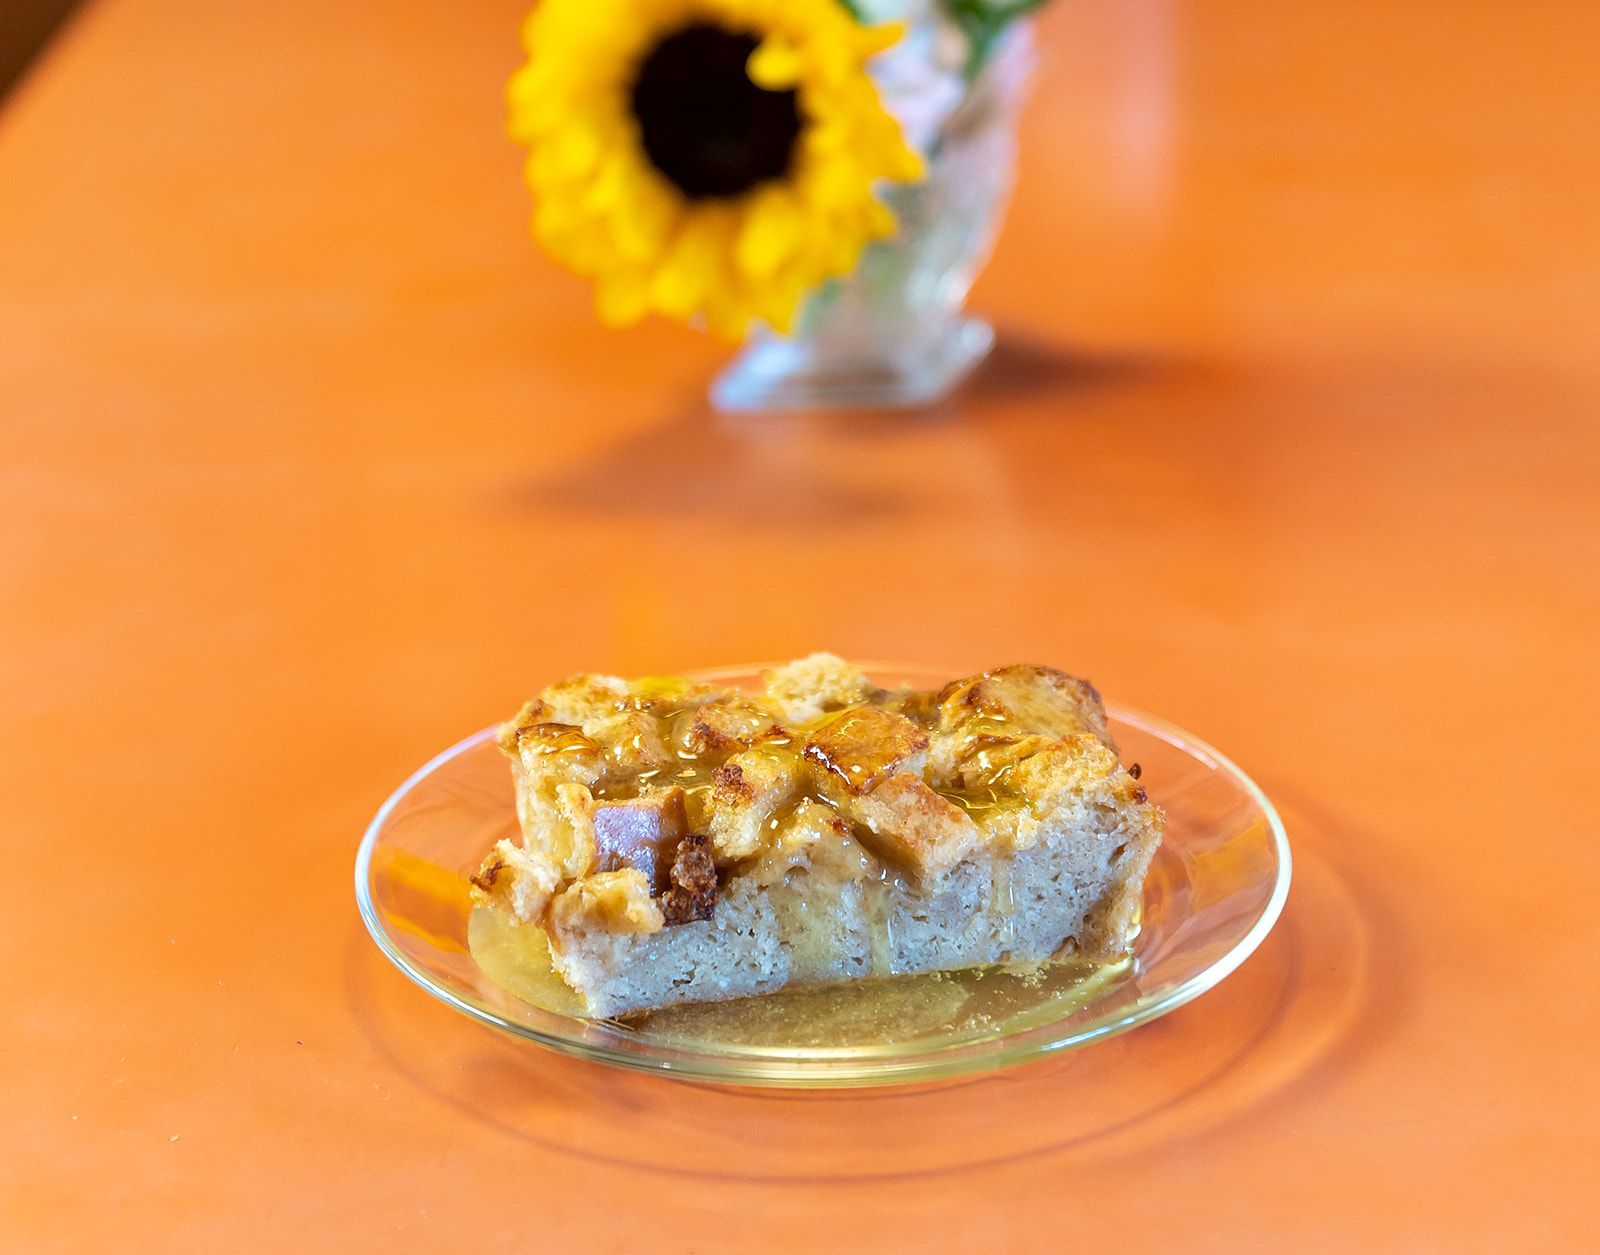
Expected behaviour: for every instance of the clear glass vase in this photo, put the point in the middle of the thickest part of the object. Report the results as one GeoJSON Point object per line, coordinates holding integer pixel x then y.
{"type": "Point", "coordinates": [892, 332]}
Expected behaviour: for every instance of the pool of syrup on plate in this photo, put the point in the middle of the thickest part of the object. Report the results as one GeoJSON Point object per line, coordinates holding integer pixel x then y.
{"type": "Point", "coordinates": [890, 1011]}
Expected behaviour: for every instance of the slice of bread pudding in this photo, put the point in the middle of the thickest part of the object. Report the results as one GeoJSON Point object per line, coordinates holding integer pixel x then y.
{"type": "Point", "coordinates": [687, 842]}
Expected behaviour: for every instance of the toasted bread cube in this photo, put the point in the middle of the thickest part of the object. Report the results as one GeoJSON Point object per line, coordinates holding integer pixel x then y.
{"type": "Point", "coordinates": [586, 700]}
{"type": "Point", "coordinates": [632, 744]}
{"type": "Point", "coordinates": [748, 788]}
{"type": "Point", "coordinates": [552, 753]}
{"type": "Point", "coordinates": [1042, 700]}
{"type": "Point", "coordinates": [806, 689]}
{"type": "Point", "coordinates": [553, 766]}
{"type": "Point", "coordinates": [863, 747]}
{"type": "Point", "coordinates": [977, 756]}
{"type": "Point", "coordinates": [914, 830]}
{"type": "Point", "coordinates": [558, 822]}
{"type": "Point", "coordinates": [531, 713]}
{"type": "Point", "coordinates": [642, 833]}
{"type": "Point", "coordinates": [613, 902]}
{"type": "Point", "coordinates": [570, 841]}
{"type": "Point", "coordinates": [516, 880]}
{"type": "Point", "coordinates": [1071, 764]}
{"type": "Point", "coordinates": [921, 706]}
{"type": "Point", "coordinates": [717, 729]}
{"type": "Point", "coordinates": [812, 836]}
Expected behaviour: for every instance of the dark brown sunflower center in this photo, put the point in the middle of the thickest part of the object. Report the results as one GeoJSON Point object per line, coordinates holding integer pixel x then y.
{"type": "Point", "coordinates": [704, 124]}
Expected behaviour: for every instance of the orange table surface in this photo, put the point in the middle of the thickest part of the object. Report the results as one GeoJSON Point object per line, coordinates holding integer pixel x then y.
{"type": "Point", "coordinates": [312, 465]}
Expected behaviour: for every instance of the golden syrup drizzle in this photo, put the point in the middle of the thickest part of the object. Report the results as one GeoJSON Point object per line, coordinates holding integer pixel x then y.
{"type": "Point", "coordinates": [1003, 903]}
{"type": "Point", "coordinates": [517, 958]}
{"type": "Point", "coordinates": [897, 1008]}
{"type": "Point", "coordinates": [666, 707]}
{"type": "Point", "coordinates": [982, 739]}
{"type": "Point", "coordinates": [879, 910]}
{"type": "Point", "coordinates": [921, 706]}
{"type": "Point", "coordinates": [976, 801]}
{"type": "Point", "coordinates": [677, 726]}
{"type": "Point", "coordinates": [927, 1010]}
{"type": "Point", "coordinates": [661, 713]}
{"type": "Point", "coordinates": [675, 692]}
{"type": "Point", "coordinates": [569, 740]}
{"type": "Point", "coordinates": [863, 746]}
{"type": "Point", "coordinates": [1002, 900]}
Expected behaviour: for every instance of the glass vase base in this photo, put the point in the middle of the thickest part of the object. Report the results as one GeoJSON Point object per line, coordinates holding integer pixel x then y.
{"type": "Point", "coordinates": [773, 374]}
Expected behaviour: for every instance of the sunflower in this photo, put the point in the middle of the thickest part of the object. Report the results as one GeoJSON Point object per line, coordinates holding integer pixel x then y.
{"type": "Point", "coordinates": [711, 158]}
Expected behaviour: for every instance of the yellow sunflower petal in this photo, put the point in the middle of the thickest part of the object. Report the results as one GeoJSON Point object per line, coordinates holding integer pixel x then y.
{"type": "Point", "coordinates": [605, 210]}
{"type": "Point", "coordinates": [692, 270]}
{"type": "Point", "coordinates": [880, 219]}
{"type": "Point", "coordinates": [876, 39]}
{"type": "Point", "coordinates": [644, 219]}
{"type": "Point", "coordinates": [776, 65]}
{"type": "Point", "coordinates": [772, 229]}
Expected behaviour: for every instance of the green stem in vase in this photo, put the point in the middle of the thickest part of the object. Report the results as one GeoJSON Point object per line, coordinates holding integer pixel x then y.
{"type": "Point", "coordinates": [983, 22]}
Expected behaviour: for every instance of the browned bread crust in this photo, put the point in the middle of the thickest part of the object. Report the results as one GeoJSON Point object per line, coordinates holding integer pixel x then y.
{"type": "Point", "coordinates": [667, 804]}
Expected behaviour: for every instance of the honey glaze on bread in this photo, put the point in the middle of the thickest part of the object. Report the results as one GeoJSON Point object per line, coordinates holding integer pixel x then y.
{"type": "Point", "coordinates": [684, 841]}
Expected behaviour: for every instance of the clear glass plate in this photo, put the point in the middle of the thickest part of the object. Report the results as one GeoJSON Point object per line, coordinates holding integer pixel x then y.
{"type": "Point", "coordinates": [1215, 889]}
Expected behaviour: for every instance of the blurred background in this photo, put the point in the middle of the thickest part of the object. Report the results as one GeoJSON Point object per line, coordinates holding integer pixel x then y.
{"type": "Point", "coordinates": [24, 29]}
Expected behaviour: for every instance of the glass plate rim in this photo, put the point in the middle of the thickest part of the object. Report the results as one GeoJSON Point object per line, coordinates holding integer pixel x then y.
{"type": "Point", "coordinates": [684, 1064]}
